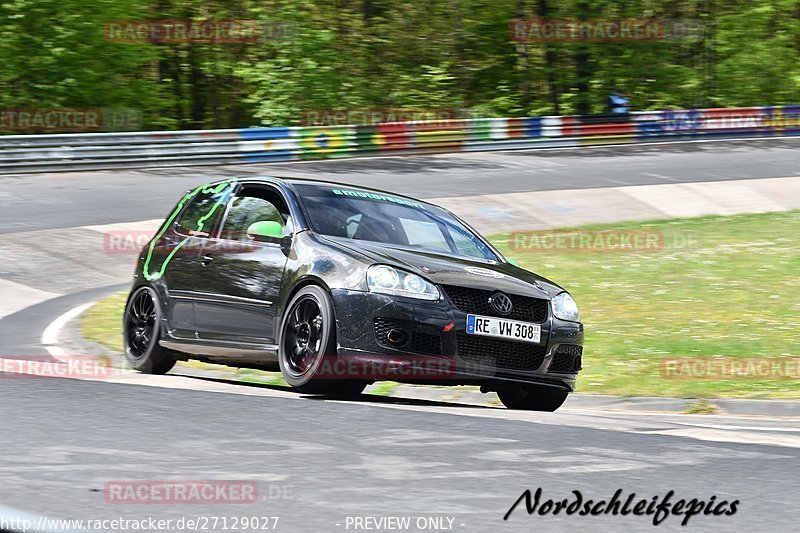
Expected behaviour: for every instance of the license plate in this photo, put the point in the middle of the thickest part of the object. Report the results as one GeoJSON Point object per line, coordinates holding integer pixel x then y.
{"type": "Point", "coordinates": [505, 329]}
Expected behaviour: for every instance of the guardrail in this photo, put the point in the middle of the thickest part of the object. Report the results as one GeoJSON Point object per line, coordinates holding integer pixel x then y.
{"type": "Point", "coordinates": [63, 152]}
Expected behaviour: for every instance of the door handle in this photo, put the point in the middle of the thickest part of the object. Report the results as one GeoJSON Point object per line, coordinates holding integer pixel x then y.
{"type": "Point", "coordinates": [206, 259]}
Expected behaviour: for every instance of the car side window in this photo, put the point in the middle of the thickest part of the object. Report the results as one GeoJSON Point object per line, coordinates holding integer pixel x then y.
{"type": "Point", "coordinates": [255, 205]}
{"type": "Point", "coordinates": [467, 246]}
{"type": "Point", "coordinates": [203, 214]}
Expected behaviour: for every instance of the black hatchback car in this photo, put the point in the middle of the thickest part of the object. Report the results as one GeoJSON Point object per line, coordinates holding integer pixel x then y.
{"type": "Point", "coordinates": [340, 286]}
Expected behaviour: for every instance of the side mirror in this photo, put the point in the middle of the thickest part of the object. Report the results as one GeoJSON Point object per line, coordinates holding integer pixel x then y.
{"type": "Point", "coordinates": [512, 261]}
{"type": "Point", "coordinates": [265, 231]}
{"type": "Point", "coordinates": [268, 231]}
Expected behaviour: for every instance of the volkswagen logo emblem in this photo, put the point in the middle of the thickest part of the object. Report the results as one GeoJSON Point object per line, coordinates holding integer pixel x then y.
{"type": "Point", "coordinates": [501, 303]}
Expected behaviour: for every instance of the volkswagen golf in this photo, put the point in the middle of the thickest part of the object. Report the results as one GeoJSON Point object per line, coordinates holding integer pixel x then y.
{"type": "Point", "coordinates": [338, 287]}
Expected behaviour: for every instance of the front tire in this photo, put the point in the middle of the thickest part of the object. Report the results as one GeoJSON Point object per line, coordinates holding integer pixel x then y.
{"type": "Point", "coordinates": [308, 345]}
{"type": "Point", "coordinates": [532, 398]}
{"type": "Point", "coordinates": [141, 331]}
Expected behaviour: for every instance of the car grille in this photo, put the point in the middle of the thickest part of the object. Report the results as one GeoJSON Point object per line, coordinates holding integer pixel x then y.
{"type": "Point", "coordinates": [500, 353]}
{"type": "Point", "coordinates": [476, 301]}
{"type": "Point", "coordinates": [422, 339]}
{"type": "Point", "coordinates": [564, 359]}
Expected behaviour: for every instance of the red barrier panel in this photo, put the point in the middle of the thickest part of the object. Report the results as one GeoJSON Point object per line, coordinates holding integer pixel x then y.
{"type": "Point", "coordinates": [569, 126]}
{"type": "Point", "coordinates": [516, 128]}
{"type": "Point", "coordinates": [396, 137]}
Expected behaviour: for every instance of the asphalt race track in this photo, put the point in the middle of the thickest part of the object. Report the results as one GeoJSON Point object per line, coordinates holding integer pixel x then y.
{"type": "Point", "coordinates": [318, 463]}
{"type": "Point", "coordinates": [45, 201]}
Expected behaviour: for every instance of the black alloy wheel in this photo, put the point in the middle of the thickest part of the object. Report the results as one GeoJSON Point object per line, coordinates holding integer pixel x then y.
{"type": "Point", "coordinates": [140, 334]}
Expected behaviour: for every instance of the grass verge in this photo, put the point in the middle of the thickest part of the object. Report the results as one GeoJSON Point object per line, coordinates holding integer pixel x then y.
{"type": "Point", "coordinates": [720, 289]}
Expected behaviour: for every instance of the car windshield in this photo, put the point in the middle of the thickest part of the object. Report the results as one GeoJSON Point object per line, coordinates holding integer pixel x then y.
{"type": "Point", "coordinates": [368, 216]}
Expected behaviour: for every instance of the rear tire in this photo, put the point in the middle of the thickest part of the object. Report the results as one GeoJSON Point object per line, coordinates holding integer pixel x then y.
{"type": "Point", "coordinates": [308, 337]}
{"type": "Point", "coordinates": [532, 398]}
{"type": "Point", "coordinates": [141, 329]}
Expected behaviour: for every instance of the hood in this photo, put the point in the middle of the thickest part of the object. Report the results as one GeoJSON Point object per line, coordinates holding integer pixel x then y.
{"type": "Point", "coordinates": [447, 269]}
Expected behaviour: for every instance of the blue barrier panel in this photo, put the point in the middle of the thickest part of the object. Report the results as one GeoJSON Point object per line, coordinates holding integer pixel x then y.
{"type": "Point", "coordinates": [667, 125]}
{"type": "Point", "coordinates": [682, 121]}
{"type": "Point", "coordinates": [254, 134]}
{"type": "Point", "coordinates": [680, 124]}
{"type": "Point", "coordinates": [533, 126]}
{"type": "Point", "coordinates": [791, 119]}
{"type": "Point", "coordinates": [650, 128]}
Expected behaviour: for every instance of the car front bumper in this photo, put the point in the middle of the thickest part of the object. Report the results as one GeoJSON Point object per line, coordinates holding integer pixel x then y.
{"type": "Point", "coordinates": [439, 351]}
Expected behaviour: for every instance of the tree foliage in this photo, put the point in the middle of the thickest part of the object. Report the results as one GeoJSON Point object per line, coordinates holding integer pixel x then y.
{"type": "Point", "coordinates": [381, 54]}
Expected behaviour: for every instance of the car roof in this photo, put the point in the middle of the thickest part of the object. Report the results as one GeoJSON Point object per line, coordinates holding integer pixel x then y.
{"type": "Point", "coordinates": [290, 180]}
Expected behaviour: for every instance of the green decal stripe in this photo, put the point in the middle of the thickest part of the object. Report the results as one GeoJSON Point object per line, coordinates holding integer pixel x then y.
{"type": "Point", "coordinates": [204, 189]}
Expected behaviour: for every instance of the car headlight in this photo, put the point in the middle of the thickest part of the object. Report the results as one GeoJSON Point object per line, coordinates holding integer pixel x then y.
{"type": "Point", "coordinates": [388, 280]}
{"type": "Point", "coordinates": [565, 308]}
